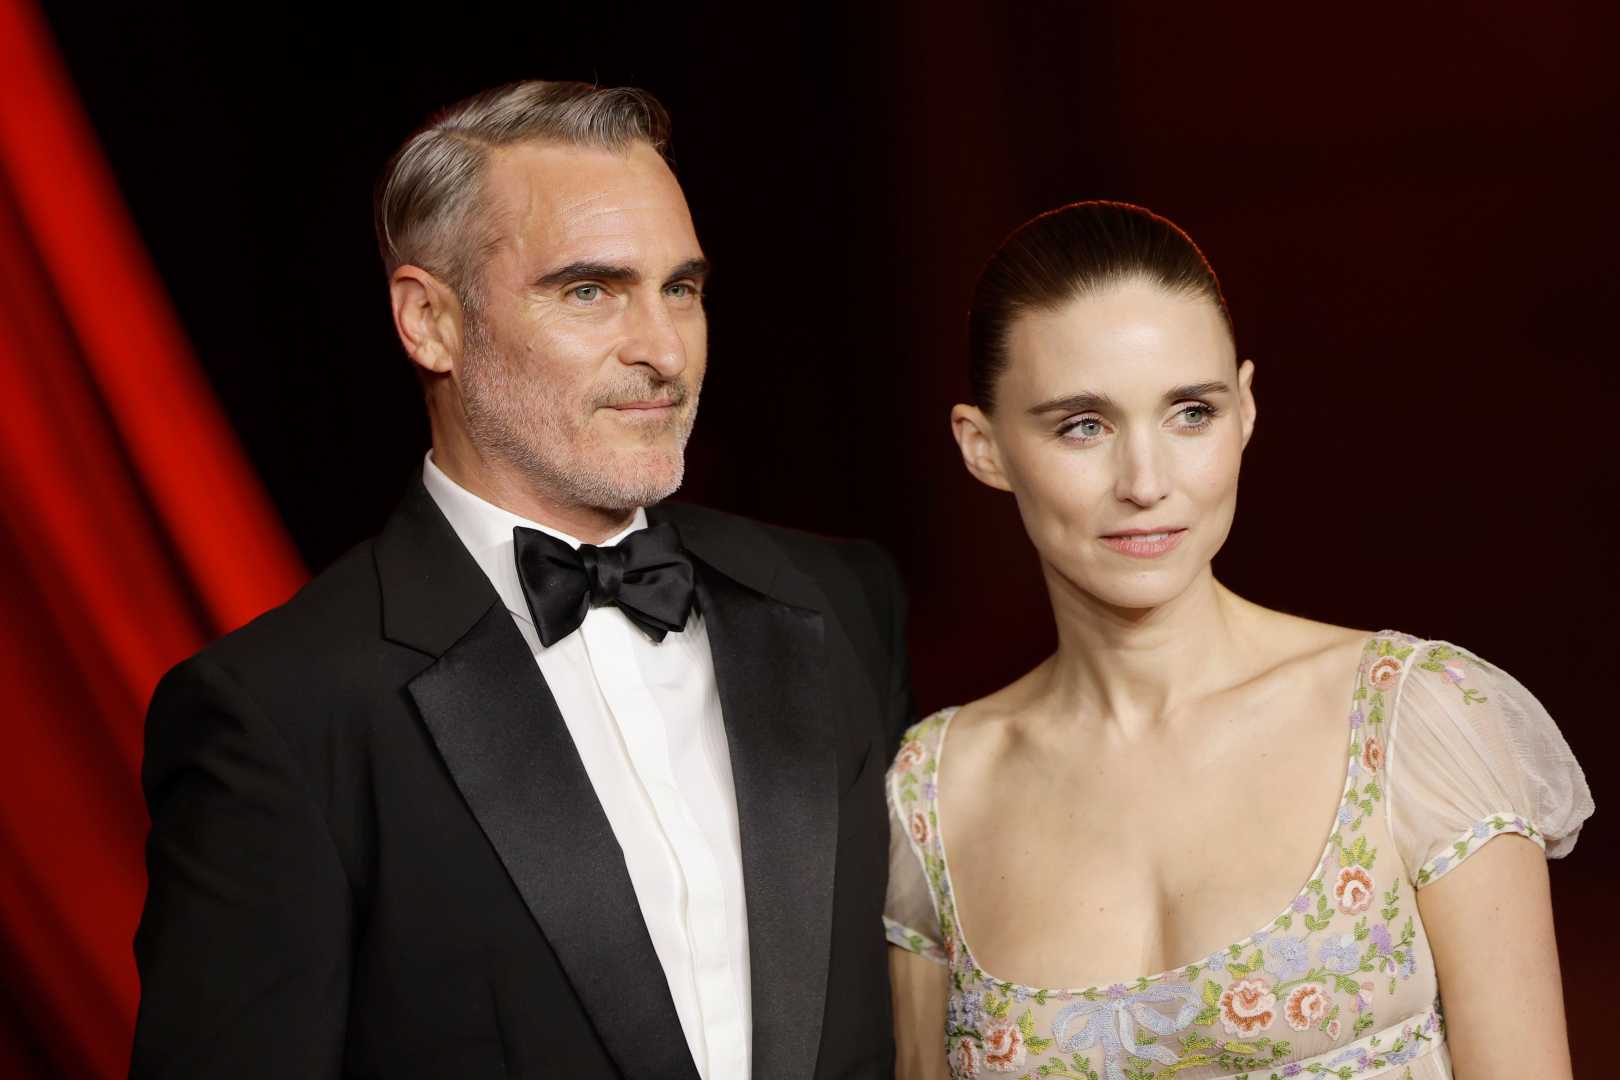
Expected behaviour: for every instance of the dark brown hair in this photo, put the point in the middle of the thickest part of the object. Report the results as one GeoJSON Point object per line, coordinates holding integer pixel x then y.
{"type": "Point", "coordinates": [1069, 252]}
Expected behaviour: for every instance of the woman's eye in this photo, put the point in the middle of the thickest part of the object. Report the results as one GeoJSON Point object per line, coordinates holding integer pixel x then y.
{"type": "Point", "coordinates": [1085, 429]}
{"type": "Point", "coordinates": [1196, 416]}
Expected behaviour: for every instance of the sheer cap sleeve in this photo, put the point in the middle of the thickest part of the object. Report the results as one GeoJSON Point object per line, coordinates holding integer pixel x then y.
{"type": "Point", "coordinates": [910, 918]}
{"type": "Point", "coordinates": [1472, 756]}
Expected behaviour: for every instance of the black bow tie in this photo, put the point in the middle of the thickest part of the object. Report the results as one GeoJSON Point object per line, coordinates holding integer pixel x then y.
{"type": "Point", "coordinates": [647, 574]}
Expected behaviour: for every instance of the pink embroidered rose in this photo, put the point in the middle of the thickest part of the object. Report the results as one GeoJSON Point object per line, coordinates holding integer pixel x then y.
{"type": "Point", "coordinates": [1248, 1006]}
{"type": "Point", "coordinates": [919, 828]}
{"type": "Point", "coordinates": [966, 1057]}
{"type": "Point", "coordinates": [909, 757]}
{"type": "Point", "coordinates": [1333, 1029]}
{"type": "Point", "coordinates": [1385, 670]}
{"type": "Point", "coordinates": [1306, 1006]}
{"type": "Point", "coordinates": [1003, 1046]}
{"type": "Point", "coordinates": [1353, 890]}
{"type": "Point", "coordinates": [1372, 755]}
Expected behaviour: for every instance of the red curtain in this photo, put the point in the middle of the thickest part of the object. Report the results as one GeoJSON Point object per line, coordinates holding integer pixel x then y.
{"type": "Point", "coordinates": [131, 532]}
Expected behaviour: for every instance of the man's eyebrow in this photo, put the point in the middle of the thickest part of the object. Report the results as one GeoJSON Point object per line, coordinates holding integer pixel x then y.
{"type": "Point", "coordinates": [1081, 402]}
{"type": "Point", "coordinates": [587, 271]}
{"type": "Point", "coordinates": [695, 269]}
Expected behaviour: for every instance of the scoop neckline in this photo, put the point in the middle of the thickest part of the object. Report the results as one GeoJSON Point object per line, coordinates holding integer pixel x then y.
{"type": "Point", "coordinates": [1226, 950]}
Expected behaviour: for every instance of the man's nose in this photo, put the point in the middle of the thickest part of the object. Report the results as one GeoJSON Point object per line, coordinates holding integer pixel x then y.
{"type": "Point", "coordinates": [1144, 477]}
{"type": "Point", "coordinates": [653, 338]}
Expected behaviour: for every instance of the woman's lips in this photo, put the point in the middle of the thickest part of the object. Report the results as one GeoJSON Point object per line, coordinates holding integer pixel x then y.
{"type": "Point", "coordinates": [1145, 545]}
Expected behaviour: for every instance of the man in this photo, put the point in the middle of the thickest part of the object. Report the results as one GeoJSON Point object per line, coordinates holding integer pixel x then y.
{"type": "Point", "coordinates": [546, 780]}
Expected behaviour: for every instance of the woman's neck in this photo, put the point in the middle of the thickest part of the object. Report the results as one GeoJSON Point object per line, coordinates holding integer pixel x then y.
{"type": "Point", "coordinates": [1133, 667]}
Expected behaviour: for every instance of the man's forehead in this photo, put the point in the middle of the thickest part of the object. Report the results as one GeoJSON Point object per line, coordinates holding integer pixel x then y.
{"type": "Point", "coordinates": [572, 200]}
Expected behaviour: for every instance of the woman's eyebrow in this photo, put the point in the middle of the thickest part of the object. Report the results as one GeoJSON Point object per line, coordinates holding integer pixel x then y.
{"type": "Point", "coordinates": [1195, 390]}
{"type": "Point", "coordinates": [1085, 401]}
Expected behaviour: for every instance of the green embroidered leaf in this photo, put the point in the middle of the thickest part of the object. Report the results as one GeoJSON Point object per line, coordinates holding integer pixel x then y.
{"type": "Point", "coordinates": [1212, 992]}
{"type": "Point", "coordinates": [1207, 1016]}
{"type": "Point", "coordinates": [1285, 921]}
{"type": "Point", "coordinates": [1026, 1025]}
{"type": "Point", "coordinates": [1346, 985]}
{"type": "Point", "coordinates": [1037, 1045]}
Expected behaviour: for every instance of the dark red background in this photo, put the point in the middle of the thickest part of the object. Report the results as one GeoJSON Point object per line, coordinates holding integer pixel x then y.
{"type": "Point", "coordinates": [1411, 207]}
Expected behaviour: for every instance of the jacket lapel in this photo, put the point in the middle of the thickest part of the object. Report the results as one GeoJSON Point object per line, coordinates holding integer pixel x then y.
{"type": "Point", "coordinates": [503, 739]}
{"type": "Point", "coordinates": [767, 633]}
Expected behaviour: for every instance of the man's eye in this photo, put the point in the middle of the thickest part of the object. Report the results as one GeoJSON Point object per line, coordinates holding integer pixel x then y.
{"type": "Point", "coordinates": [585, 293]}
{"type": "Point", "coordinates": [682, 290]}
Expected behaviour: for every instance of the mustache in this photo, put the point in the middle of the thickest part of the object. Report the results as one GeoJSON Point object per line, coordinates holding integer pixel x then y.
{"type": "Point", "coordinates": [674, 391]}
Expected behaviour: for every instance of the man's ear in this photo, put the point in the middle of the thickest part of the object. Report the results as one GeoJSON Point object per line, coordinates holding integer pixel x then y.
{"type": "Point", "coordinates": [976, 438]}
{"type": "Point", "coordinates": [428, 319]}
{"type": "Point", "coordinates": [1246, 407]}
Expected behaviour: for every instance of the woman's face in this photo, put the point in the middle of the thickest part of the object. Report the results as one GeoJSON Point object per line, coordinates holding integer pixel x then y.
{"type": "Point", "coordinates": [1119, 426]}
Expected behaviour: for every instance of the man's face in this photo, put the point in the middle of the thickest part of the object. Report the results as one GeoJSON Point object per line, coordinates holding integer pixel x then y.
{"type": "Point", "coordinates": [584, 358]}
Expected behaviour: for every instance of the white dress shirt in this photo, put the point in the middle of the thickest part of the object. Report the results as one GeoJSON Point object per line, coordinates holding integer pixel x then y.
{"type": "Point", "coordinates": [645, 718]}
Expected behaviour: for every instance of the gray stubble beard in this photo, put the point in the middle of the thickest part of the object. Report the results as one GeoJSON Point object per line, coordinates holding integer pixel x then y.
{"type": "Point", "coordinates": [505, 421]}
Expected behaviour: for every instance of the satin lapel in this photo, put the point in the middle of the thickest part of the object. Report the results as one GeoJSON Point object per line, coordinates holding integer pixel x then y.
{"type": "Point", "coordinates": [771, 671]}
{"type": "Point", "coordinates": [503, 739]}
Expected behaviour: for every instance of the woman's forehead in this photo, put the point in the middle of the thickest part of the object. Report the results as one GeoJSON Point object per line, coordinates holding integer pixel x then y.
{"type": "Point", "coordinates": [1132, 338]}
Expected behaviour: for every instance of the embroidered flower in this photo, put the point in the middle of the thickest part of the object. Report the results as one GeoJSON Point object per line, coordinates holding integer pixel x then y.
{"type": "Point", "coordinates": [963, 1010]}
{"type": "Point", "coordinates": [909, 757]}
{"type": "Point", "coordinates": [1384, 672]}
{"type": "Point", "coordinates": [1248, 1006]}
{"type": "Point", "coordinates": [1379, 936]}
{"type": "Point", "coordinates": [1353, 890]}
{"type": "Point", "coordinates": [1453, 671]}
{"type": "Point", "coordinates": [966, 1057]}
{"type": "Point", "coordinates": [1306, 1006]}
{"type": "Point", "coordinates": [1004, 1046]}
{"type": "Point", "coordinates": [1340, 955]}
{"type": "Point", "coordinates": [1301, 904]}
{"type": "Point", "coordinates": [1357, 718]}
{"type": "Point", "coordinates": [919, 828]}
{"type": "Point", "coordinates": [1372, 755]}
{"type": "Point", "coordinates": [1287, 958]}
{"type": "Point", "coordinates": [1333, 1029]}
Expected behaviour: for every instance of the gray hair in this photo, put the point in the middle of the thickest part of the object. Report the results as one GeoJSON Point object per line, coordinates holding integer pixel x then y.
{"type": "Point", "coordinates": [431, 195]}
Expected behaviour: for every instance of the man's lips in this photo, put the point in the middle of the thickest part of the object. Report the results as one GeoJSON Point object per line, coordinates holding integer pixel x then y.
{"type": "Point", "coordinates": [642, 406]}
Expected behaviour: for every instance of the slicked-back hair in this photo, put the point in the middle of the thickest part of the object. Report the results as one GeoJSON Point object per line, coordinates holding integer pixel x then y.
{"type": "Point", "coordinates": [1067, 253]}
{"type": "Point", "coordinates": [430, 209]}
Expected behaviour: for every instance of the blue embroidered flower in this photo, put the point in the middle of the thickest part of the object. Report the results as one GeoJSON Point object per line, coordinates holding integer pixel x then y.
{"type": "Point", "coordinates": [1287, 958]}
{"type": "Point", "coordinates": [1346, 815]}
{"type": "Point", "coordinates": [1301, 904]}
{"type": "Point", "coordinates": [1440, 865]}
{"type": "Point", "coordinates": [965, 1011]}
{"type": "Point", "coordinates": [1340, 955]}
{"type": "Point", "coordinates": [1379, 936]}
{"type": "Point", "coordinates": [1482, 830]}
{"type": "Point", "coordinates": [1216, 962]}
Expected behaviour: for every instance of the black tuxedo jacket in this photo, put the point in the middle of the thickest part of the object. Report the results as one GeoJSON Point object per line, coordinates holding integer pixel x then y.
{"type": "Point", "coordinates": [375, 852]}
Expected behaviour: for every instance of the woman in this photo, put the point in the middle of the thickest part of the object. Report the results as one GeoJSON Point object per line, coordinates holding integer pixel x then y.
{"type": "Point", "coordinates": [1136, 882]}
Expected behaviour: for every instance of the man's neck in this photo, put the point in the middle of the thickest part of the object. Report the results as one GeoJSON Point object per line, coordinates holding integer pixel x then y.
{"type": "Point", "coordinates": [518, 495]}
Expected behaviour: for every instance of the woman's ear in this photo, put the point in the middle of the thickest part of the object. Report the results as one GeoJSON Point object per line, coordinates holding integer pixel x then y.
{"type": "Point", "coordinates": [1246, 407]}
{"type": "Point", "coordinates": [427, 317]}
{"type": "Point", "coordinates": [975, 436]}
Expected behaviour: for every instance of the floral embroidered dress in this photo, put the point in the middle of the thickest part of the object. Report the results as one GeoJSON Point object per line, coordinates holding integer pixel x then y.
{"type": "Point", "coordinates": [1444, 753]}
